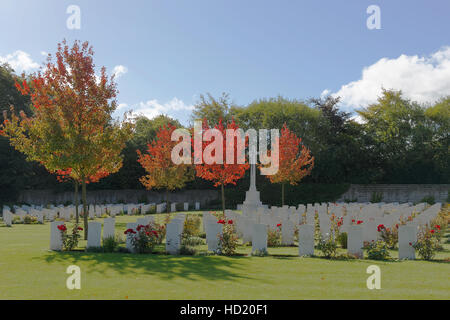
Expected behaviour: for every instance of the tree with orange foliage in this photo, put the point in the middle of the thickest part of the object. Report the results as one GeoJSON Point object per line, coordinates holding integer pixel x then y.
{"type": "Point", "coordinates": [162, 172]}
{"type": "Point", "coordinates": [295, 160]}
{"type": "Point", "coordinates": [71, 125]}
{"type": "Point", "coordinates": [216, 168]}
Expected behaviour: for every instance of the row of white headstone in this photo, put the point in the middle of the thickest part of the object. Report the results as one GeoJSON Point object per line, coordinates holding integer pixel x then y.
{"type": "Point", "coordinates": [407, 235]}
{"type": "Point", "coordinates": [372, 215]}
{"type": "Point", "coordinates": [94, 233]}
{"type": "Point", "coordinates": [68, 212]}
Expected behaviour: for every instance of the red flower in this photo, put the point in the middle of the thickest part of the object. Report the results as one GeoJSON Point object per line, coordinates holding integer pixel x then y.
{"type": "Point", "coordinates": [359, 222]}
{"type": "Point", "coordinates": [438, 227]}
{"type": "Point", "coordinates": [410, 244]}
{"type": "Point", "coordinates": [353, 220]}
{"type": "Point", "coordinates": [221, 221]}
{"type": "Point", "coordinates": [380, 227]}
{"type": "Point", "coordinates": [62, 227]}
{"type": "Point", "coordinates": [129, 231]}
{"type": "Point", "coordinates": [230, 221]}
{"type": "Point", "coordinates": [80, 228]}
{"type": "Point", "coordinates": [279, 225]}
{"type": "Point", "coordinates": [432, 231]}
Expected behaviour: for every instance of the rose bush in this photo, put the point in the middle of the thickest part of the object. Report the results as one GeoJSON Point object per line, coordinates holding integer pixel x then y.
{"type": "Point", "coordinates": [70, 241]}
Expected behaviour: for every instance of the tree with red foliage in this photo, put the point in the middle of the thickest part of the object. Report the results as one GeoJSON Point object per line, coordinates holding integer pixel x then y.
{"type": "Point", "coordinates": [214, 166]}
{"type": "Point", "coordinates": [295, 160]}
{"type": "Point", "coordinates": [162, 172]}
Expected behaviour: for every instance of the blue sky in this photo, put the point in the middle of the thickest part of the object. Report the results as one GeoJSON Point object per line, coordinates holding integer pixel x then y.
{"type": "Point", "coordinates": [172, 51]}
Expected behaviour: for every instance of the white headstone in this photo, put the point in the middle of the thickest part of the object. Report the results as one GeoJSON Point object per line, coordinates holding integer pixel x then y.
{"type": "Point", "coordinates": [40, 217]}
{"type": "Point", "coordinates": [143, 221]}
{"type": "Point", "coordinates": [197, 206]}
{"type": "Point", "coordinates": [355, 241]}
{"type": "Point", "coordinates": [213, 231]}
{"type": "Point", "coordinates": [91, 214]}
{"type": "Point", "coordinates": [173, 237]}
{"type": "Point", "coordinates": [7, 218]}
{"type": "Point", "coordinates": [130, 236]}
{"type": "Point", "coordinates": [94, 235]}
{"type": "Point", "coordinates": [247, 229]}
{"type": "Point", "coordinates": [259, 237]}
{"type": "Point", "coordinates": [173, 207]}
{"type": "Point", "coordinates": [407, 237]}
{"type": "Point", "coordinates": [55, 236]}
{"type": "Point", "coordinates": [306, 240]}
{"type": "Point", "coordinates": [108, 227]}
{"type": "Point", "coordinates": [370, 231]}
{"type": "Point", "coordinates": [160, 208]}
{"type": "Point", "coordinates": [186, 206]}
{"type": "Point", "coordinates": [207, 217]}
{"type": "Point", "coordinates": [287, 233]}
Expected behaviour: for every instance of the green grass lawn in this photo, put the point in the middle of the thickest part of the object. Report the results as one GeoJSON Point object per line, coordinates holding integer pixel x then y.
{"type": "Point", "coordinates": [28, 270]}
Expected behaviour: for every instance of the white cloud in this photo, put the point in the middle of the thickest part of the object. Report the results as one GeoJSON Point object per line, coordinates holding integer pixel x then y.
{"type": "Point", "coordinates": [325, 93]}
{"type": "Point", "coordinates": [122, 106]}
{"type": "Point", "coordinates": [357, 118]}
{"type": "Point", "coordinates": [423, 79]}
{"type": "Point", "coordinates": [44, 53]}
{"type": "Point", "coordinates": [20, 61]}
{"type": "Point", "coordinates": [119, 70]}
{"type": "Point", "coordinates": [153, 108]}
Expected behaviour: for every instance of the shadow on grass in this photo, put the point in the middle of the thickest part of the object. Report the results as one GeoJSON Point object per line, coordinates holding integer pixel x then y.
{"type": "Point", "coordinates": [161, 265]}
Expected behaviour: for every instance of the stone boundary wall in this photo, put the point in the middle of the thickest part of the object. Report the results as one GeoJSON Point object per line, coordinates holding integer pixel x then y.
{"type": "Point", "coordinates": [397, 192]}
{"type": "Point", "coordinates": [358, 192]}
{"type": "Point", "coordinates": [42, 197]}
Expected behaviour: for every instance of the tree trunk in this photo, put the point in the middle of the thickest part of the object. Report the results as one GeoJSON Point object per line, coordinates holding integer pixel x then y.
{"type": "Point", "coordinates": [167, 201]}
{"type": "Point", "coordinates": [223, 199]}
{"type": "Point", "coordinates": [85, 213]}
{"type": "Point", "coordinates": [282, 194]}
{"type": "Point", "coordinates": [76, 203]}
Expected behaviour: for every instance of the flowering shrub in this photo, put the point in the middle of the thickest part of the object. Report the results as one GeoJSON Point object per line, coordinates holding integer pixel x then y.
{"type": "Point", "coordinates": [328, 247]}
{"type": "Point", "coordinates": [30, 219]}
{"type": "Point", "coordinates": [192, 241]}
{"type": "Point", "coordinates": [389, 235]}
{"type": "Point", "coordinates": [427, 243]}
{"type": "Point", "coordinates": [260, 253]}
{"type": "Point", "coordinates": [440, 224]}
{"type": "Point", "coordinates": [144, 239]}
{"type": "Point", "coordinates": [191, 226]}
{"type": "Point", "coordinates": [228, 240]}
{"type": "Point", "coordinates": [357, 222]}
{"type": "Point", "coordinates": [274, 236]}
{"type": "Point", "coordinates": [189, 237]}
{"type": "Point", "coordinates": [377, 250]}
{"type": "Point", "coordinates": [70, 241]}
{"type": "Point", "coordinates": [110, 244]}
{"type": "Point", "coordinates": [161, 232]}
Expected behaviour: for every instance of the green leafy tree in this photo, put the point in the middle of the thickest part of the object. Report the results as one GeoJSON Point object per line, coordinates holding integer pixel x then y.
{"type": "Point", "coordinates": [213, 109]}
